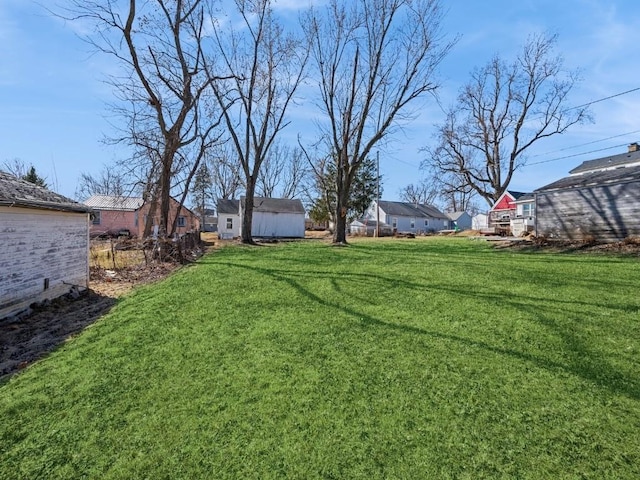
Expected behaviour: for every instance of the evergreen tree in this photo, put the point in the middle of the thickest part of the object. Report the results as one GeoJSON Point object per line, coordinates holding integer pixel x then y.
{"type": "Point", "coordinates": [33, 177]}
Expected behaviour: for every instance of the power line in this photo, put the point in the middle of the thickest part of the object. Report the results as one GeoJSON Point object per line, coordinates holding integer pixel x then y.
{"type": "Point", "coordinates": [576, 154]}
{"type": "Point", "coordinates": [584, 144]}
{"type": "Point", "coordinates": [605, 98]}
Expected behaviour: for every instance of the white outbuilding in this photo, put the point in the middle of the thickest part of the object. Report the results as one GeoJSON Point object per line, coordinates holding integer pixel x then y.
{"type": "Point", "coordinates": [45, 245]}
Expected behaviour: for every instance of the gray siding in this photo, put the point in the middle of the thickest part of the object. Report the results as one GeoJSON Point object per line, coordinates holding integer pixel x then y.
{"type": "Point", "coordinates": [39, 245]}
{"type": "Point", "coordinates": [607, 212]}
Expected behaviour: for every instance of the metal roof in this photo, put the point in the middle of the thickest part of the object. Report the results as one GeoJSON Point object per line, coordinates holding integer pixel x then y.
{"type": "Point", "coordinates": [407, 209]}
{"type": "Point", "coordinates": [20, 193]}
{"type": "Point", "coordinates": [110, 202]}
{"type": "Point", "coordinates": [596, 178]}
{"type": "Point", "coordinates": [275, 205]}
{"type": "Point", "coordinates": [611, 161]}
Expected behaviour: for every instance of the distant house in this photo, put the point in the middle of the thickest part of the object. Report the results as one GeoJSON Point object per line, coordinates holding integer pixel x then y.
{"type": "Point", "coordinates": [458, 220]}
{"type": "Point", "coordinates": [45, 245]}
{"type": "Point", "coordinates": [525, 217]}
{"type": "Point", "coordinates": [272, 218]}
{"type": "Point", "coordinates": [408, 217]}
{"type": "Point", "coordinates": [480, 221]}
{"type": "Point", "coordinates": [116, 214]}
{"type": "Point", "coordinates": [600, 199]}
{"type": "Point", "coordinates": [503, 211]}
{"type": "Point", "coordinates": [210, 220]}
{"type": "Point", "coordinates": [228, 218]}
{"type": "Point", "coordinates": [366, 227]}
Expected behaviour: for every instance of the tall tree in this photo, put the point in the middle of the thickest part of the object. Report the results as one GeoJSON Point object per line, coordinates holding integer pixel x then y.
{"type": "Point", "coordinates": [365, 186]}
{"type": "Point", "coordinates": [108, 182]}
{"type": "Point", "coordinates": [501, 113]}
{"type": "Point", "coordinates": [424, 192]}
{"type": "Point", "coordinates": [283, 173]}
{"type": "Point", "coordinates": [158, 45]}
{"type": "Point", "coordinates": [374, 61]}
{"type": "Point", "coordinates": [33, 177]}
{"type": "Point", "coordinates": [202, 188]}
{"type": "Point", "coordinates": [267, 66]}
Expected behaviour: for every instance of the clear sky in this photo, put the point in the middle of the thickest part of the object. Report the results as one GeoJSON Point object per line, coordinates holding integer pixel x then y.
{"type": "Point", "coordinates": [53, 110]}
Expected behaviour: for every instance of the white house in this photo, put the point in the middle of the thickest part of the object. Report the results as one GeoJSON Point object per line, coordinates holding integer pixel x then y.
{"type": "Point", "coordinates": [228, 218]}
{"type": "Point", "coordinates": [45, 245]}
{"type": "Point", "coordinates": [409, 217]}
{"type": "Point", "coordinates": [272, 218]}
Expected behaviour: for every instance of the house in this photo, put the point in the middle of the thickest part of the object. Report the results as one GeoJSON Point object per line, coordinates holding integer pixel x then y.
{"type": "Point", "coordinates": [480, 221]}
{"type": "Point", "coordinates": [366, 227]}
{"type": "Point", "coordinates": [45, 245]}
{"type": "Point", "coordinates": [599, 200]}
{"type": "Point", "coordinates": [115, 214]}
{"type": "Point", "coordinates": [458, 220]}
{"type": "Point", "coordinates": [503, 211]}
{"type": "Point", "coordinates": [228, 218]}
{"type": "Point", "coordinates": [272, 218]}
{"type": "Point", "coordinates": [408, 217]}
{"type": "Point", "coordinates": [210, 220]}
{"type": "Point", "coordinates": [524, 220]}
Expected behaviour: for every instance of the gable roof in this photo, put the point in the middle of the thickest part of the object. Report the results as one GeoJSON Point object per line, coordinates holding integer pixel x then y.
{"type": "Point", "coordinates": [113, 202]}
{"type": "Point", "coordinates": [20, 193]}
{"type": "Point", "coordinates": [227, 206]}
{"type": "Point", "coordinates": [275, 205]}
{"type": "Point", "coordinates": [612, 161]}
{"type": "Point", "coordinates": [526, 197]}
{"type": "Point", "coordinates": [407, 209]}
{"type": "Point", "coordinates": [595, 178]}
{"type": "Point", "coordinates": [455, 215]}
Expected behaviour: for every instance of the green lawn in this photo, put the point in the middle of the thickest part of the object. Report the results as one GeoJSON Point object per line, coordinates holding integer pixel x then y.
{"type": "Point", "coordinates": [436, 358]}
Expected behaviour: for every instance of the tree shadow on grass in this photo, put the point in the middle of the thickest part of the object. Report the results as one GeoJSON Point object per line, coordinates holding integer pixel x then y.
{"type": "Point", "coordinates": [582, 361]}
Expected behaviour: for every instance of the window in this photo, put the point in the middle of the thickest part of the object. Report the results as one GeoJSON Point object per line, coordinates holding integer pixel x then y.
{"type": "Point", "coordinates": [395, 222]}
{"type": "Point", "coordinates": [229, 223]}
{"type": "Point", "coordinates": [426, 223]}
{"type": "Point", "coordinates": [528, 209]}
{"type": "Point", "coordinates": [182, 222]}
{"type": "Point", "coordinates": [96, 217]}
{"type": "Point", "coordinates": [413, 223]}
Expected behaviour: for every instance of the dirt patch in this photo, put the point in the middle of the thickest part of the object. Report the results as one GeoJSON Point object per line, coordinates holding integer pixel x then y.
{"type": "Point", "coordinates": [630, 247]}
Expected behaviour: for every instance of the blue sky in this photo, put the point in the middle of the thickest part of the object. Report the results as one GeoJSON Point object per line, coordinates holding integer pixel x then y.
{"type": "Point", "coordinates": [53, 110]}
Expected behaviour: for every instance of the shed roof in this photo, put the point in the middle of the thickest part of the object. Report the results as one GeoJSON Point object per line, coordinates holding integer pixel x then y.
{"type": "Point", "coordinates": [227, 206]}
{"type": "Point", "coordinates": [595, 178]}
{"type": "Point", "coordinates": [454, 215]}
{"type": "Point", "coordinates": [525, 197]}
{"type": "Point", "coordinates": [611, 161]}
{"type": "Point", "coordinates": [114, 202]}
{"type": "Point", "coordinates": [407, 209]}
{"type": "Point", "coordinates": [20, 193]}
{"type": "Point", "coordinates": [276, 205]}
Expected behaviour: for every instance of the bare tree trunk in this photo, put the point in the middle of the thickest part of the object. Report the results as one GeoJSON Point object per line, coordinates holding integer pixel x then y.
{"type": "Point", "coordinates": [247, 212]}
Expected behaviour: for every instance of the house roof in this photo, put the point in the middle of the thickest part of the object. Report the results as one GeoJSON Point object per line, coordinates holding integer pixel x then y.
{"type": "Point", "coordinates": [361, 222]}
{"type": "Point", "coordinates": [525, 197]}
{"type": "Point", "coordinates": [595, 178]}
{"type": "Point", "coordinates": [228, 206]}
{"type": "Point", "coordinates": [20, 193]}
{"type": "Point", "coordinates": [275, 205]}
{"type": "Point", "coordinates": [454, 215]}
{"type": "Point", "coordinates": [612, 161]}
{"type": "Point", "coordinates": [111, 202]}
{"type": "Point", "coordinates": [407, 209]}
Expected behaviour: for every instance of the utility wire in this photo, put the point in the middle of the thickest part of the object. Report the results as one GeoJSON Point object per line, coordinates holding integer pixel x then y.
{"type": "Point", "coordinates": [584, 144]}
{"type": "Point", "coordinates": [576, 154]}
{"type": "Point", "coordinates": [605, 98]}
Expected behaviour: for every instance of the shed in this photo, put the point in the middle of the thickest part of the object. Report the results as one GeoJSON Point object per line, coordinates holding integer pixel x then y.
{"type": "Point", "coordinates": [45, 245]}
{"type": "Point", "coordinates": [600, 199]}
{"type": "Point", "coordinates": [459, 220]}
{"type": "Point", "coordinates": [276, 217]}
{"type": "Point", "coordinates": [367, 227]}
{"type": "Point", "coordinates": [228, 218]}
{"type": "Point", "coordinates": [409, 217]}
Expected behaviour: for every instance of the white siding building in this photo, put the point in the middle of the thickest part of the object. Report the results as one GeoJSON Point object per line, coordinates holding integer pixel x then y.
{"type": "Point", "coordinates": [45, 245]}
{"type": "Point", "coordinates": [408, 217]}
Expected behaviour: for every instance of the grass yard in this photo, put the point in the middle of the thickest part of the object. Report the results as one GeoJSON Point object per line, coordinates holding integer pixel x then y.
{"type": "Point", "coordinates": [411, 359]}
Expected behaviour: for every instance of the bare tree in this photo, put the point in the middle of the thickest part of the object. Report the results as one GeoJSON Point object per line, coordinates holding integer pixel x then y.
{"type": "Point", "coordinates": [424, 192]}
{"type": "Point", "coordinates": [374, 60]}
{"type": "Point", "coordinates": [158, 45]}
{"type": "Point", "coordinates": [226, 173]}
{"type": "Point", "coordinates": [283, 173]}
{"type": "Point", "coordinates": [108, 182]}
{"type": "Point", "coordinates": [501, 113]}
{"type": "Point", "coordinates": [267, 67]}
{"type": "Point", "coordinates": [16, 167]}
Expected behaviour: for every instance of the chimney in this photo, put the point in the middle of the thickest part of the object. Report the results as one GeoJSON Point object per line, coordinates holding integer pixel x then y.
{"type": "Point", "coordinates": [634, 147]}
